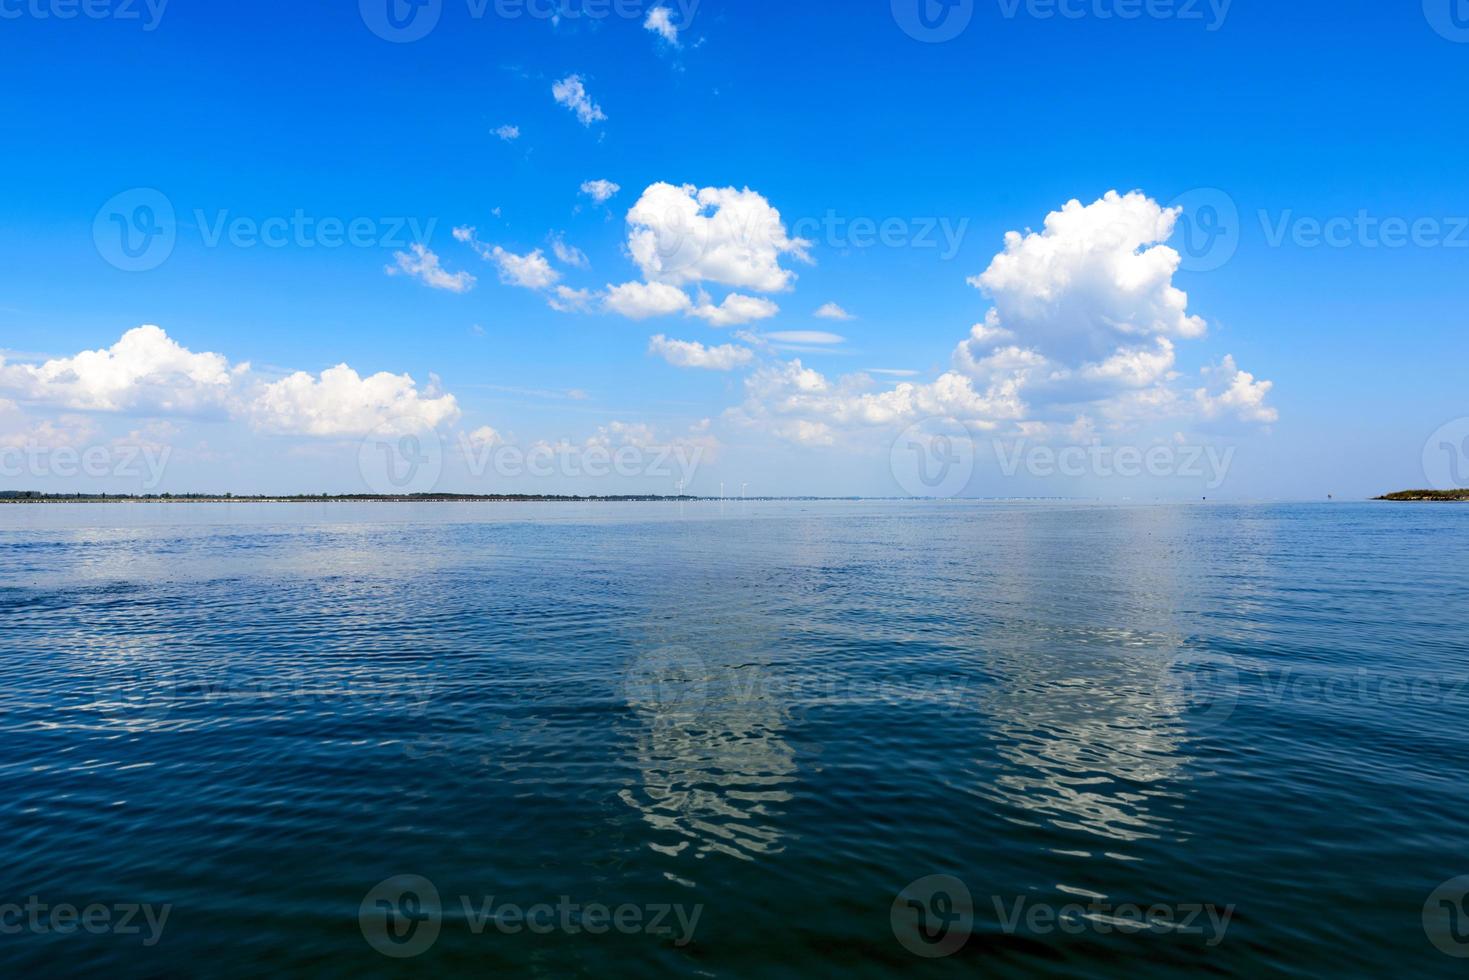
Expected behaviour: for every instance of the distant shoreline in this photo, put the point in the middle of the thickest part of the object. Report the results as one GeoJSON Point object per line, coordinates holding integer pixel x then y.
{"type": "Point", "coordinates": [27, 497]}
{"type": "Point", "coordinates": [1438, 496]}
{"type": "Point", "coordinates": [366, 498]}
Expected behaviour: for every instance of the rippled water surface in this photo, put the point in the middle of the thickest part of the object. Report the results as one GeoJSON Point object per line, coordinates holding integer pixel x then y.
{"type": "Point", "coordinates": [773, 717]}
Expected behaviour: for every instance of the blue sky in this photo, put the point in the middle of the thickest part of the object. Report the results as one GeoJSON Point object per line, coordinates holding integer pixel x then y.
{"type": "Point", "coordinates": [828, 114]}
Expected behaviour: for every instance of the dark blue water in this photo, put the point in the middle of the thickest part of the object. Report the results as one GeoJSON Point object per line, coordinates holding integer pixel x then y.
{"type": "Point", "coordinates": [1138, 740]}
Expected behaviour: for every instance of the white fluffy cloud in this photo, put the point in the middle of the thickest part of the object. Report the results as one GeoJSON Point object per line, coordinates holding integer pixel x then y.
{"type": "Point", "coordinates": [530, 271]}
{"type": "Point", "coordinates": [571, 92]}
{"type": "Point", "coordinates": [683, 235]}
{"type": "Point", "coordinates": [735, 310]}
{"type": "Point", "coordinates": [660, 22]}
{"type": "Point", "coordinates": [422, 264]}
{"type": "Point", "coordinates": [599, 190]}
{"type": "Point", "coordinates": [1086, 319]}
{"type": "Point", "coordinates": [147, 373]}
{"type": "Point", "coordinates": [641, 300]}
{"type": "Point", "coordinates": [802, 405]}
{"type": "Point", "coordinates": [831, 311]}
{"type": "Point", "coordinates": [340, 402]}
{"type": "Point", "coordinates": [1097, 276]}
{"type": "Point", "coordinates": [1230, 391]}
{"type": "Point", "coordinates": [691, 354]}
{"type": "Point", "coordinates": [145, 370]}
{"type": "Point", "coordinates": [508, 133]}
{"type": "Point", "coordinates": [1084, 329]}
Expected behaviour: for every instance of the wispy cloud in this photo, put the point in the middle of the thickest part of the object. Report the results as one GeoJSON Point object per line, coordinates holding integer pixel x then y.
{"type": "Point", "coordinates": [422, 264]}
{"type": "Point", "coordinates": [572, 93]}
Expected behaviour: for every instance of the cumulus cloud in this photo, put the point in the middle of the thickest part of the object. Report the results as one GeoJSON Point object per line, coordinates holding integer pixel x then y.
{"type": "Point", "coordinates": [782, 395]}
{"type": "Point", "coordinates": [682, 234]}
{"type": "Point", "coordinates": [145, 370]}
{"type": "Point", "coordinates": [1083, 332]}
{"type": "Point", "coordinates": [508, 133]}
{"type": "Point", "coordinates": [1230, 391]}
{"type": "Point", "coordinates": [146, 373]}
{"type": "Point", "coordinates": [735, 310]}
{"type": "Point", "coordinates": [1096, 276]}
{"type": "Point", "coordinates": [571, 92]}
{"type": "Point", "coordinates": [1086, 319]}
{"type": "Point", "coordinates": [599, 190]}
{"type": "Point", "coordinates": [660, 22]}
{"type": "Point", "coordinates": [691, 354]}
{"type": "Point", "coordinates": [75, 431]}
{"type": "Point", "coordinates": [340, 402]}
{"type": "Point", "coordinates": [530, 271]}
{"type": "Point", "coordinates": [831, 311]}
{"type": "Point", "coordinates": [641, 300]}
{"type": "Point", "coordinates": [803, 432]}
{"type": "Point", "coordinates": [422, 264]}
